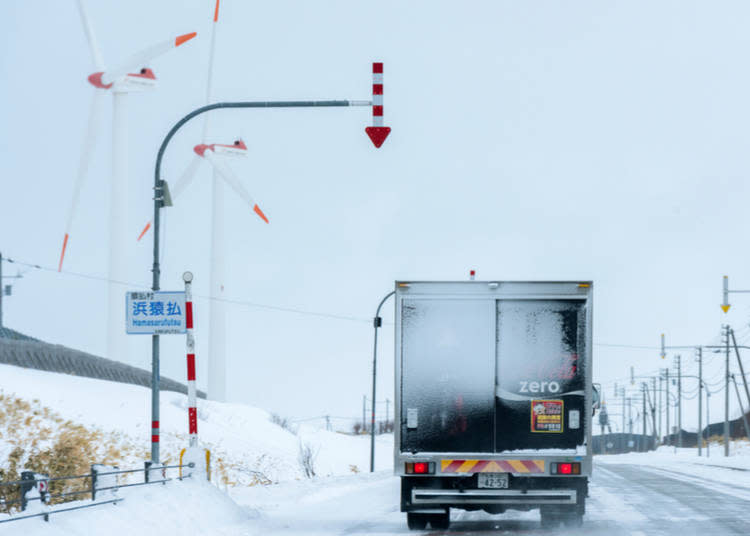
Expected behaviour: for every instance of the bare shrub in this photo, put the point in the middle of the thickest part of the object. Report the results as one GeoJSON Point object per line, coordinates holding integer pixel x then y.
{"type": "Point", "coordinates": [306, 457]}
{"type": "Point", "coordinates": [284, 422]}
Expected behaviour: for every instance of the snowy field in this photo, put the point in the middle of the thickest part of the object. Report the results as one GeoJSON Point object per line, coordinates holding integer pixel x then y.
{"type": "Point", "coordinates": [245, 445]}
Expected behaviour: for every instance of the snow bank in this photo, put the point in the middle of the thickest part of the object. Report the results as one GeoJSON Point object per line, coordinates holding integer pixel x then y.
{"type": "Point", "coordinates": [246, 447]}
{"type": "Point", "coordinates": [734, 469]}
{"type": "Point", "coordinates": [185, 508]}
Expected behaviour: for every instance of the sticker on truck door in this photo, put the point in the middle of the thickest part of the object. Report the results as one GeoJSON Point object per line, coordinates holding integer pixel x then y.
{"type": "Point", "coordinates": [547, 416]}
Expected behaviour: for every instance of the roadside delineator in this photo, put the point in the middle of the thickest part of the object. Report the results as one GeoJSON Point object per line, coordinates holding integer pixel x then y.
{"type": "Point", "coordinates": [193, 454]}
{"type": "Point", "coordinates": [377, 132]}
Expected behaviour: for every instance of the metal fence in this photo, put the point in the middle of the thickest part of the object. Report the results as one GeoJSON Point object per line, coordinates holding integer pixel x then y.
{"type": "Point", "coordinates": [33, 354]}
{"type": "Point", "coordinates": [36, 487]}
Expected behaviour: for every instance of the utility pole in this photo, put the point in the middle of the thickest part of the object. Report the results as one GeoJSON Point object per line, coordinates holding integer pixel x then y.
{"type": "Point", "coordinates": [622, 394]}
{"type": "Point", "coordinates": [653, 409]}
{"type": "Point", "coordinates": [708, 423]}
{"type": "Point", "coordinates": [644, 388]}
{"type": "Point", "coordinates": [328, 423]}
{"type": "Point", "coordinates": [679, 401]}
{"type": "Point", "coordinates": [739, 362]}
{"type": "Point", "coordinates": [742, 407]}
{"type": "Point", "coordinates": [700, 400]}
{"type": "Point", "coordinates": [669, 431]}
{"type": "Point", "coordinates": [726, 394]}
{"type": "Point", "coordinates": [387, 411]}
{"type": "Point", "coordinates": [630, 416]}
{"type": "Point", "coordinates": [661, 404]}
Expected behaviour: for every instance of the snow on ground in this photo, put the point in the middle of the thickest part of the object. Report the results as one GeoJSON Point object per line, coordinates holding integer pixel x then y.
{"type": "Point", "coordinates": [185, 508]}
{"type": "Point", "coordinates": [246, 446]}
{"type": "Point", "coordinates": [734, 470]}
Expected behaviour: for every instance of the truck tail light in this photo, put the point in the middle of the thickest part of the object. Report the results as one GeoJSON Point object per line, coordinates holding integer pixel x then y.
{"type": "Point", "coordinates": [566, 468]}
{"type": "Point", "coordinates": [420, 468]}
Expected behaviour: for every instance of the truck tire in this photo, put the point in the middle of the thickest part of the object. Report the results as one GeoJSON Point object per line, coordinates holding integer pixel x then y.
{"type": "Point", "coordinates": [549, 520]}
{"type": "Point", "coordinates": [440, 521]}
{"type": "Point", "coordinates": [573, 520]}
{"type": "Point", "coordinates": [416, 521]}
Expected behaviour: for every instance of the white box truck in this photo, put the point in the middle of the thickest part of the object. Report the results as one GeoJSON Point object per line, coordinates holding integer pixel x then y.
{"type": "Point", "coordinates": [495, 400]}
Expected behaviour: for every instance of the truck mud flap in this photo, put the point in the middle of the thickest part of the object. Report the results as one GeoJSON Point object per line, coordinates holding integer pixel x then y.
{"type": "Point", "coordinates": [491, 496]}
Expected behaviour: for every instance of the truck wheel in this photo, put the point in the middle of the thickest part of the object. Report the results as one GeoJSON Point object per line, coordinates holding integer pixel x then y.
{"type": "Point", "coordinates": [573, 520]}
{"type": "Point", "coordinates": [440, 521]}
{"type": "Point", "coordinates": [416, 521]}
{"type": "Point", "coordinates": [549, 520]}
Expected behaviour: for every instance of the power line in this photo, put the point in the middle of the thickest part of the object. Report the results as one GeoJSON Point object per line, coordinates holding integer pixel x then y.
{"type": "Point", "coordinates": [634, 346]}
{"type": "Point", "coordinates": [232, 301]}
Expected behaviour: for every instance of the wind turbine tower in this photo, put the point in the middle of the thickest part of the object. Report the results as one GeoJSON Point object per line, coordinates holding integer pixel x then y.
{"type": "Point", "coordinates": [132, 75]}
{"type": "Point", "coordinates": [217, 155]}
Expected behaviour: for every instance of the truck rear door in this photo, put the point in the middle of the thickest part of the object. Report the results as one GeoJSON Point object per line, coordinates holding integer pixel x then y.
{"type": "Point", "coordinates": [447, 375]}
{"type": "Point", "coordinates": [540, 378]}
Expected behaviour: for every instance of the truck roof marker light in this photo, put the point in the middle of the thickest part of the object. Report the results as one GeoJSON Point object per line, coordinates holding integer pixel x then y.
{"type": "Point", "coordinates": [403, 285]}
{"type": "Point", "coordinates": [584, 285]}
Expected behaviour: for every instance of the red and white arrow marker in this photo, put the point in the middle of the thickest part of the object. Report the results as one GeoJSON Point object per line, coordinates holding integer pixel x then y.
{"type": "Point", "coordinates": [377, 132]}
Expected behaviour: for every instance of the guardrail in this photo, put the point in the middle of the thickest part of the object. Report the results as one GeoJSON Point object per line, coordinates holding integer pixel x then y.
{"type": "Point", "coordinates": [35, 487]}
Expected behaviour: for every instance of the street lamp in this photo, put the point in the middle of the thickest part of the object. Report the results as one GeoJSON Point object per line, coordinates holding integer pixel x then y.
{"type": "Point", "coordinates": [377, 134]}
{"type": "Point", "coordinates": [376, 322]}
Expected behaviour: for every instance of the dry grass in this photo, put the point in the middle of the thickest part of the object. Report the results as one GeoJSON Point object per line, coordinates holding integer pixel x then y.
{"type": "Point", "coordinates": [37, 439]}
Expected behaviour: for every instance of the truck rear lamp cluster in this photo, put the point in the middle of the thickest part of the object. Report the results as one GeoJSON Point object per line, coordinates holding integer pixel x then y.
{"type": "Point", "coordinates": [565, 468]}
{"type": "Point", "coordinates": [420, 468]}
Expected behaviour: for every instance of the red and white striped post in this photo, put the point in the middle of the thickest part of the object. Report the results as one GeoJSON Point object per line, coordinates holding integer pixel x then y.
{"type": "Point", "coordinates": [192, 404]}
{"type": "Point", "coordinates": [377, 132]}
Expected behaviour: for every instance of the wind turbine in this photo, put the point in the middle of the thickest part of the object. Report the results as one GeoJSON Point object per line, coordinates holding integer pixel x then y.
{"type": "Point", "coordinates": [132, 75]}
{"type": "Point", "coordinates": [217, 155]}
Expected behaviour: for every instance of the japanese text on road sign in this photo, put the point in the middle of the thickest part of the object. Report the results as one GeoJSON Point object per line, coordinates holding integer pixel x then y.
{"type": "Point", "coordinates": [155, 313]}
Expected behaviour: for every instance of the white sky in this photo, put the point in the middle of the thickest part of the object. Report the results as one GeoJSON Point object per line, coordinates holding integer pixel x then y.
{"type": "Point", "coordinates": [545, 140]}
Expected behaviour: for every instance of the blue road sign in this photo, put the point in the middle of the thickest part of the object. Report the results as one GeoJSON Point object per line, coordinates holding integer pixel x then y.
{"type": "Point", "coordinates": [155, 313]}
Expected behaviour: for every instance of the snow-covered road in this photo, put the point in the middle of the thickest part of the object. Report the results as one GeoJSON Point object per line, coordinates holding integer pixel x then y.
{"type": "Point", "coordinates": [643, 495]}
{"type": "Point", "coordinates": [626, 499]}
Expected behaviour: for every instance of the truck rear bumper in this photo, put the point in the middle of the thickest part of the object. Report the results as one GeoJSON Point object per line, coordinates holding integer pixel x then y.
{"type": "Point", "coordinates": [493, 496]}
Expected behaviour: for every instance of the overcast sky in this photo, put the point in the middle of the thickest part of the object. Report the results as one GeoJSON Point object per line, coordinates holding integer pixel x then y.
{"type": "Point", "coordinates": [531, 140]}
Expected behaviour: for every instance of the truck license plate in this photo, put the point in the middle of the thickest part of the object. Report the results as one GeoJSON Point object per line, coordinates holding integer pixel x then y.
{"type": "Point", "coordinates": [493, 480]}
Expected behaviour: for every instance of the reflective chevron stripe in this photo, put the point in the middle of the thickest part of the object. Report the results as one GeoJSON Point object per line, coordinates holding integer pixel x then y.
{"type": "Point", "coordinates": [492, 466]}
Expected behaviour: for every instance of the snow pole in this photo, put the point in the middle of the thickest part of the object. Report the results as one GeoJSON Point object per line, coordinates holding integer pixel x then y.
{"type": "Point", "coordinates": [192, 404]}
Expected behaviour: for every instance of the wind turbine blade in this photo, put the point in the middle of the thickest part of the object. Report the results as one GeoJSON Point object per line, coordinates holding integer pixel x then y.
{"type": "Point", "coordinates": [145, 230]}
{"type": "Point", "coordinates": [89, 29]}
{"type": "Point", "coordinates": [137, 61]}
{"type": "Point", "coordinates": [186, 178]}
{"type": "Point", "coordinates": [209, 79]}
{"type": "Point", "coordinates": [89, 142]}
{"type": "Point", "coordinates": [229, 177]}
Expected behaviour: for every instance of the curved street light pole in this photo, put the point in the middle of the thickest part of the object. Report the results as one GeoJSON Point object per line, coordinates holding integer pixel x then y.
{"type": "Point", "coordinates": [159, 202]}
{"type": "Point", "coordinates": [376, 322]}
